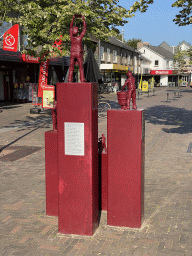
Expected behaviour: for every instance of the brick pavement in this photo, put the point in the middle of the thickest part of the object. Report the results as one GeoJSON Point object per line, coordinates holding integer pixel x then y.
{"type": "Point", "coordinates": [166, 230]}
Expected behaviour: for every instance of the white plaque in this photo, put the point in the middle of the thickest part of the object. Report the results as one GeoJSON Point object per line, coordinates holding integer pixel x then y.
{"type": "Point", "coordinates": [74, 139]}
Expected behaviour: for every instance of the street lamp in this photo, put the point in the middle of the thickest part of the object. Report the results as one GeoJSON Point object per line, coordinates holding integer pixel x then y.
{"type": "Point", "coordinates": [138, 68]}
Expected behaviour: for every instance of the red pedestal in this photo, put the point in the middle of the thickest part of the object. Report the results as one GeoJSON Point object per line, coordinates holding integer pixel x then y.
{"type": "Point", "coordinates": [125, 145]}
{"type": "Point", "coordinates": [77, 124]}
{"type": "Point", "coordinates": [51, 173]}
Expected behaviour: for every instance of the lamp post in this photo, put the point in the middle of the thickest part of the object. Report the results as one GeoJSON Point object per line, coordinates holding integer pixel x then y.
{"type": "Point", "coordinates": [138, 68]}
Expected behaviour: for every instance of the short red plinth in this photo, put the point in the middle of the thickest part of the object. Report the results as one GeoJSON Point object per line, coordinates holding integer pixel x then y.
{"type": "Point", "coordinates": [51, 173]}
{"type": "Point", "coordinates": [125, 145]}
{"type": "Point", "coordinates": [77, 124]}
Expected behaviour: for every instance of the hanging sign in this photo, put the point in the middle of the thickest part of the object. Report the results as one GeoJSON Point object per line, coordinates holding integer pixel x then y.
{"type": "Point", "coordinates": [10, 39]}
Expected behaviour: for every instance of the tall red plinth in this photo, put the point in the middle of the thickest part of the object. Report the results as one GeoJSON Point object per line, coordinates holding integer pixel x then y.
{"type": "Point", "coordinates": [77, 124]}
{"type": "Point", "coordinates": [125, 145]}
{"type": "Point", "coordinates": [51, 173]}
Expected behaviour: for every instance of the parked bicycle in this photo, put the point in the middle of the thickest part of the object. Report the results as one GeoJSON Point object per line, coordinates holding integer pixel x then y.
{"type": "Point", "coordinates": [103, 106]}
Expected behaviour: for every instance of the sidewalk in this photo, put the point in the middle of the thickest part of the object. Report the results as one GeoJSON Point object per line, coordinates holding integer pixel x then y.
{"type": "Point", "coordinates": [166, 230]}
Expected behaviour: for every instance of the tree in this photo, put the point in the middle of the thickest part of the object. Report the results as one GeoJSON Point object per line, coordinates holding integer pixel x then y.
{"type": "Point", "coordinates": [133, 42]}
{"type": "Point", "coordinates": [44, 21]}
{"type": "Point", "coordinates": [189, 53]}
{"type": "Point", "coordinates": [178, 59]}
{"type": "Point", "coordinates": [184, 16]}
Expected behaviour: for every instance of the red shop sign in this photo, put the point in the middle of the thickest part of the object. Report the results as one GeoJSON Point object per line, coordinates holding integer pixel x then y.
{"type": "Point", "coordinates": [161, 72]}
{"type": "Point", "coordinates": [30, 59]}
{"type": "Point", "coordinates": [10, 39]}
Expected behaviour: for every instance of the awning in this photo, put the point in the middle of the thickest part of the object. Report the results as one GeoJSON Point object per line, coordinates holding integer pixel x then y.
{"type": "Point", "coordinates": [115, 67]}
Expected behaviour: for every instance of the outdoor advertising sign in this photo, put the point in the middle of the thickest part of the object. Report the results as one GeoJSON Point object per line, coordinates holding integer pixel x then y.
{"type": "Point", "coordinates": [48, 98]}
{"type": "Point", "coordinates": [10, 39]}
{"type": "Point", "coordinates": [43, 77]}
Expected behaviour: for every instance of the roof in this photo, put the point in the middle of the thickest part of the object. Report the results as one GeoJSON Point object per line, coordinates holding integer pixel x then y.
{"type": "Point", "coordinates": [115, 41]}
{"type": "Point", "coordinates": [161, 51]}
{"type": "Point", "coordinates": [183, 42]}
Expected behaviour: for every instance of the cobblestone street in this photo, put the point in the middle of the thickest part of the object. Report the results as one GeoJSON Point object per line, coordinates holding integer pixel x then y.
{"type": "Point", "coordinates": [166, 230]}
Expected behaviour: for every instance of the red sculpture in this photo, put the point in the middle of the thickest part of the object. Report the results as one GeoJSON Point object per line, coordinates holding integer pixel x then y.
{"type": "Point", "coordinates": [76, 48]}
{"type": "Point", "coordinates": [131, 90]}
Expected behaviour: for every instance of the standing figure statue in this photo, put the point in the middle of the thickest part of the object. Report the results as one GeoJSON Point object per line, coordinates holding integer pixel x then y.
{"type": "Point", "coordinates": [76, 53]}
{"type": "Point", "coordinates": [131, 90]}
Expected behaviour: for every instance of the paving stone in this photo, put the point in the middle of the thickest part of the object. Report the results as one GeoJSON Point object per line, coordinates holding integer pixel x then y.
{"type": "Point", "coordinates": [25, 228]}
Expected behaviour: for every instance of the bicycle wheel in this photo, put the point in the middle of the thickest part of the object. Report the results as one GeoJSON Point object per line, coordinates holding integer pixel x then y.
{"type": "Point", "coordinates": [102, 109]}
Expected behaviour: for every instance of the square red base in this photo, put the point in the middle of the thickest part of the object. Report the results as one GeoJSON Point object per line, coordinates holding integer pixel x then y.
{"type": "Point", "coordinates": [78, 162]}
{"type": "Point", "coordinates": [125, 148]}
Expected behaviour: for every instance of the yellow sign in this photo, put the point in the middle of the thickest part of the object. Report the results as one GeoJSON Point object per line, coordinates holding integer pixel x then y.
{"type": "Point", "coordinates": [145, 86]}
{"type": "Point", "coordinates": [48, 98]}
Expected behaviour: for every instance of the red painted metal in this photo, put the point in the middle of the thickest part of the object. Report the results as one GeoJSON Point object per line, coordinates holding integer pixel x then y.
{"type": "Point", "coordinates": [76, 53]}
{"type": "Point", "coordinates": [104, 180]}
{"type": "Point", "coordinates": [51, 173]}
{"type": "Point", "coordinates": [122, 99]}
{"type": "Point", "coordinates": [103, 172]}
{"type": "Point", "coordinates": [131, 92]}
{"type": "Point", "coordinates": [78, 174]}
{"type": "Point", "coordinates": [125, 140]}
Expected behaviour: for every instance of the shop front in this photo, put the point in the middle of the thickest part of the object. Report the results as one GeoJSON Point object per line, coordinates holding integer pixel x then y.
{"type": "Point", "coordinates": [18, 71]}
{"type": "Point", "coordinates": [170, 77]}
{"type": "Point", "coordinates": [114, 74]}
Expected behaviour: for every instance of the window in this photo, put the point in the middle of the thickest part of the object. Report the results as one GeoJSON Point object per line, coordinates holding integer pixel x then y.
{"type": "Point", "coordinates": [102, 52]}
{"type": "Point", "coordinates": [156, 63]}
{"type": "Point", "coordinates": [129, 59]}
{"type": "Point", "coordinates": [108, 55]}
{"type": "Point", "coordinates": [125, 59]}
{"type": "Point", "coordinates": [114, 56]}
{"type": "Point", "coordinates": [135, 60]}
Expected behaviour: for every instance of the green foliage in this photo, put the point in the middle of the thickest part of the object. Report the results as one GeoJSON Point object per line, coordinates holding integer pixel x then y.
{"type": "Point", "coordinates": [178, 59]}
{"type": "Point", "coordinates": [133, 42]}
{"type": "Point", "coordinates": [45, 20]}
{"type": "Point", "coordinates": [189, 53]}
{"type": "Point", "coordinates": [184, 17]}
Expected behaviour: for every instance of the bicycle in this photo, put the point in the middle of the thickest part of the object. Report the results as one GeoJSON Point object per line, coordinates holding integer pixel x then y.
{"type": "Point", "coordinates": [103, 106]}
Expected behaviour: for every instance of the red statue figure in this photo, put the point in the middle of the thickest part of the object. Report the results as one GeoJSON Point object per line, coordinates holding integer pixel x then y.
{"type": "Point", "coordinates": [76, 48]}
{"type": "Point", "coordinates": [54, 117]}
{"type": "Point", "coordinates": [131, 90]}
{"type": "Point", "coordinates": [102, 144]}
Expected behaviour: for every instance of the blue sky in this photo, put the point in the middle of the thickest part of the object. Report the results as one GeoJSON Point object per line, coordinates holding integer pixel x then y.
{"type": "Point", "coordinates": [156, 24]}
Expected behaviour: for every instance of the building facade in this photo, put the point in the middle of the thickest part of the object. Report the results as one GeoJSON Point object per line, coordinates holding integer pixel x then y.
{"type": "Point", "coordinates": [114, 60]}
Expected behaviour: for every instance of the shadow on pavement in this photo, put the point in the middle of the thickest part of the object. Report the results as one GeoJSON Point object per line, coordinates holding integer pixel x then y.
{"type": "Point", "coordinates": [43, 120]}
{"type": "Point", "coordinates": [179, 118]}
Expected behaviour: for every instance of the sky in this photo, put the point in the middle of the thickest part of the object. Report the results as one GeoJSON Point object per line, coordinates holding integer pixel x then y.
{"type": "Point", "coordinates": [156, 24]}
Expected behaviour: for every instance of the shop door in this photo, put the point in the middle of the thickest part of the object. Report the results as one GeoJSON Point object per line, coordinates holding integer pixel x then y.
{"type": "Point", "coordinates": [1, 86]}
{"type": "Point", "coordinates": [6, 87]}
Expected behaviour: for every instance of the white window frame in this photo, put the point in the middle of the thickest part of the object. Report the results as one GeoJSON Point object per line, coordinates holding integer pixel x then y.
{"type": "Point", "coordinates": [115, 56]}
{"type": "Point", "coordinates": [129, 59]}
{"type": "Point", "coordinates": [108, 55]}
